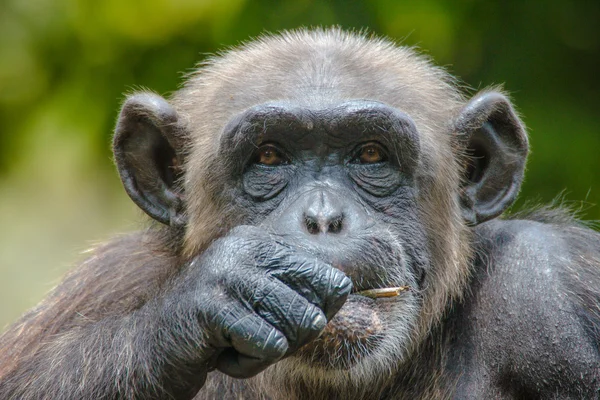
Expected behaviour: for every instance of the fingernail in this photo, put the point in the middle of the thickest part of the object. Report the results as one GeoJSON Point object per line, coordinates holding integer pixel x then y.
{"type": "Point", "coordinates": [319, 321]}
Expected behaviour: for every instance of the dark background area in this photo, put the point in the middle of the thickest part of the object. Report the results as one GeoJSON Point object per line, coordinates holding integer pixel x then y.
{"type": "Point", "coordinates": [65, 64]}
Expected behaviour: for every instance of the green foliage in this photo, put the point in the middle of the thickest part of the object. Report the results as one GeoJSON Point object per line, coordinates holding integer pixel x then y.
{"type": "Point", "coordinates": [65, 64]}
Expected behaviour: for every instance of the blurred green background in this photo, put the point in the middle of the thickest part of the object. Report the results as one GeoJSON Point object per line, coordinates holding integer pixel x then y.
{"type": "Point", "coordinates": [65, 64]}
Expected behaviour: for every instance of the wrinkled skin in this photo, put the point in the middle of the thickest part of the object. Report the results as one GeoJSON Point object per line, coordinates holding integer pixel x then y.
{"type": "Point", "coordinates": [258, 298]}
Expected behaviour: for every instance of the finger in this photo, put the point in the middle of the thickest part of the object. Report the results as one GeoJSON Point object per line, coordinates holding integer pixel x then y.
{"type": "Point", "coordinates": [253, 344]}
{"type": "Point", "coordinates": [318, 282]}
{"type": "Point", "coordinates": [237, 365]}
{"type": "Point", "coordinates": [298, 319]}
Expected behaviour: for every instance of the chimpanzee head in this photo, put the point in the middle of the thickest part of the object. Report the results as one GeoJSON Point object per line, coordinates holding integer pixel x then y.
{"type": "Point", "coordinates": [355, 150]}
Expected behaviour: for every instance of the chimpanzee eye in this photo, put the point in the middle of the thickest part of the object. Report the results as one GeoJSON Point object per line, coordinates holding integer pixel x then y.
{"type": "Point", "coordinates": [269, 155]}
{"type": "Point", "coordinates": [370, 153]}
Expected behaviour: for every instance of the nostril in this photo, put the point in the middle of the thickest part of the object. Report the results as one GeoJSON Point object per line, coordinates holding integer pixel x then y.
{"type": "Point", "coordinates": [335, 226]}
{"type": "Point", "coordinates": [314, 226]}
{"type": "Point", "coordinates": [311, 225]}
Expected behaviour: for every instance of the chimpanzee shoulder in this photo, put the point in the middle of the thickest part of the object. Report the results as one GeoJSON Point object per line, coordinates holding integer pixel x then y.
{"type": "Point", "coordinates": [529, 326]}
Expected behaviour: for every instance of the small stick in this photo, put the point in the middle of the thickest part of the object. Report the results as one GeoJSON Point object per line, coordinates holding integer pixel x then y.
{"type": "Point", "coordinates": [383, 292]}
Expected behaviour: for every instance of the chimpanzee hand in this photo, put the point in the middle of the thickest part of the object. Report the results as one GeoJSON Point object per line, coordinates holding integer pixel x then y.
{"type": "Point", "coordinates": [258, 299]}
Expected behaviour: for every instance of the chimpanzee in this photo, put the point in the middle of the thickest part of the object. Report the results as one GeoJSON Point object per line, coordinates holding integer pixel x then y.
{"type": "Point", "coordinates": [329, 226]}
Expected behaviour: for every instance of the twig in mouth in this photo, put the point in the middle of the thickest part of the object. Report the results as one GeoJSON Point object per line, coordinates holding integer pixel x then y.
{"type": "Point", "coordinates": [383, 292]}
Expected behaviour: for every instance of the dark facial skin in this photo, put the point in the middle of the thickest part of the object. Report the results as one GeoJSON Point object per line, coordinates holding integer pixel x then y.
{"type": "Point", "coordinates": [332, 182]}
{"type": "Point", "coordinates": [322, 154]}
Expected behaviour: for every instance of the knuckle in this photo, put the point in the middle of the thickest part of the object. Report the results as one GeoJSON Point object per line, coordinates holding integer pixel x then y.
{"type": "Point", "coordinates": [224, 317]}
{"type": "Point", "coordinates": [263, 292]}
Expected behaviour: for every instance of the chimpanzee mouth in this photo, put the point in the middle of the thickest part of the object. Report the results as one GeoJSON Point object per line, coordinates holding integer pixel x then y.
{"type": "Point", "coordinates": [379, 309]}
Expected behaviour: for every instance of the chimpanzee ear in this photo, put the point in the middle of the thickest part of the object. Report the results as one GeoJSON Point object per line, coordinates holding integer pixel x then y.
{"type": "Point", "coordinates": [148, 149]}
{"type": "Point", "coordinates": [496, 146]}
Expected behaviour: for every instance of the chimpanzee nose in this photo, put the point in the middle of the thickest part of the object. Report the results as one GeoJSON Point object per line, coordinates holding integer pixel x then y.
{"type": "Point", "coordinates": [323, 213]}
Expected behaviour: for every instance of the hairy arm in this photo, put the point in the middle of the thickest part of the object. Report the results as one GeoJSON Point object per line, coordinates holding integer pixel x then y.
{"type": "Point", "coordinates": [97, 335]}
{"type": "Point", "coordinates": [130, 324]}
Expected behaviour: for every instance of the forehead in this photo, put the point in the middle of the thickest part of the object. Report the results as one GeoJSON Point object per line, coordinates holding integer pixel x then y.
{"type": "Point", "coordinates": [317, 70]}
